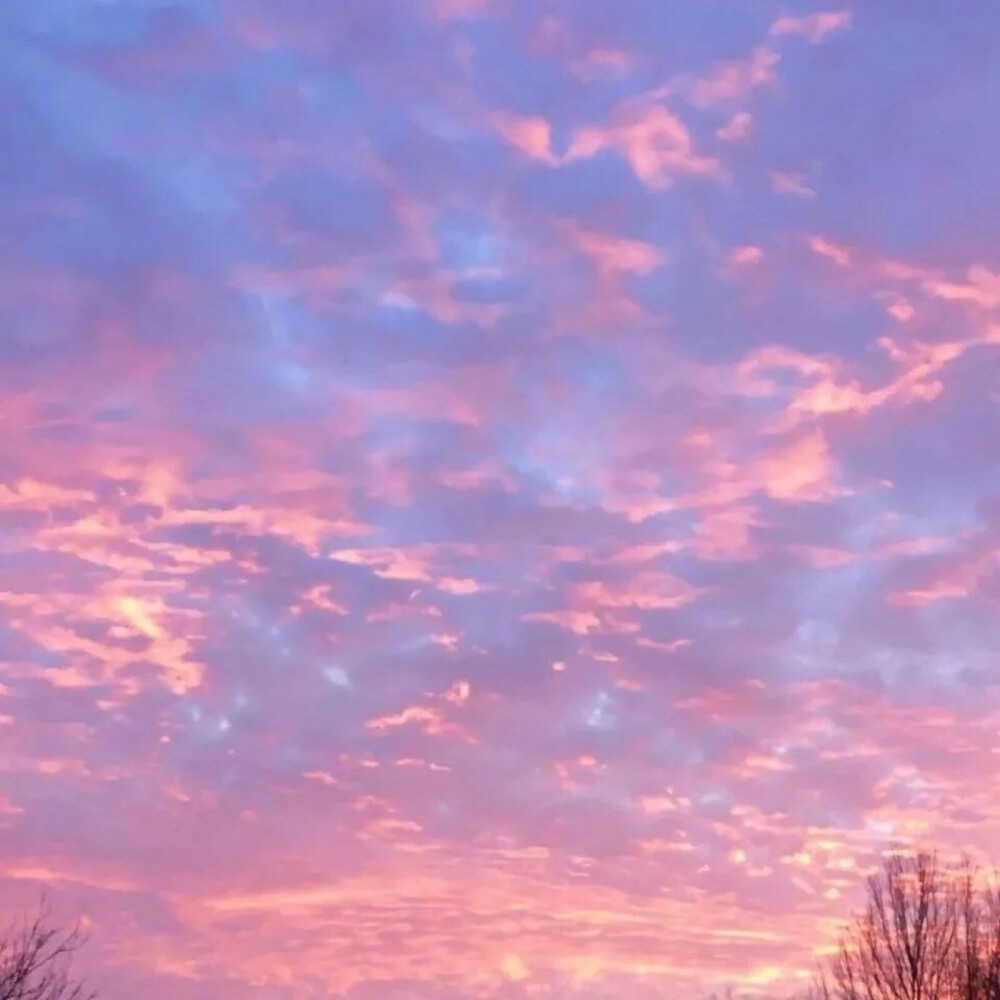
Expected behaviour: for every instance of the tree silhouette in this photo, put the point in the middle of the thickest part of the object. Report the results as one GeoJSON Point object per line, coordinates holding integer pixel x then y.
{"type": "Point", "coordinates": [926, 933]}
{"type": "Point", "coordinates": [36, 958]}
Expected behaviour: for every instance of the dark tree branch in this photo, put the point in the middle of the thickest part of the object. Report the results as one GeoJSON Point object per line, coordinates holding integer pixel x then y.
{"type": "Point", "coordinates": [36, 958]}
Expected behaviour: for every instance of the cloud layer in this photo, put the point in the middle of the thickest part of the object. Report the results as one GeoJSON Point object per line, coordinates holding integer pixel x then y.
{"type": "Point", "coordinates": [498, 498]}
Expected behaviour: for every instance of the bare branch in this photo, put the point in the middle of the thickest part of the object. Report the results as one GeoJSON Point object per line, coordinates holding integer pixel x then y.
{"type": "Point", "coordinates": [35, 960]}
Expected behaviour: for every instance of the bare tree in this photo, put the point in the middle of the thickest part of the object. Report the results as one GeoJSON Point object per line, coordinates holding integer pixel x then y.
{"type": "Point", "coordinates": [928, 932]}
{"type": "Point", "coordinates": [36, 958]}
{"type": "Point", "coordinates": [970, 961]}
{"type": "Point", "coordinates": [978, 973]}
{"type": "Point", "coordinates": [903, 947]}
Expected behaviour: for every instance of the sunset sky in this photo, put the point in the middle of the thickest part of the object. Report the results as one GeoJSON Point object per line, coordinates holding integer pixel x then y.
{"type": "Point", "coordinates": [499, 499]}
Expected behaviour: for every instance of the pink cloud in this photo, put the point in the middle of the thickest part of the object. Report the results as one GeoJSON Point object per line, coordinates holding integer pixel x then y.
{"type": "Point", "coordinates": [734, 80]}
{"type": "Point", "coordinates": [745, 255]}
{"type": "Point", "coordinates": [812, 27]}
{"type": "Point", "coordinates": [792, 184]}
{"type": "Point", "coordinates": [954, 576]}
{"type": "Point", "coordinates": [531, 135]}
{"type": "Point", "coordinates": [737, 128]}
{"type": "Point", "coordinates": [614, 254]}
{"type": "Point", "coordinates": [449, 10]}
{"type": "Point", "coordinates": [578, 622]}
{"type": "Point", "coordinates": [655, 143]}
{"type": "Point", "coordinates": [840, 255]}
{"type": "Point", "coordinates": [901, 310]}
{"type": "Point", "coordinates": [827, 390]}
{"type": "Point", "coordinates": [725, 533]}
{"type": "Point", "coordinates": [602, 62]}
{"type": "Point", "coordinates": [803, 469]}
{"type": "Point", "coordinates": [647, 589]}
{"type": "Point", "coordinates": [982, 288]}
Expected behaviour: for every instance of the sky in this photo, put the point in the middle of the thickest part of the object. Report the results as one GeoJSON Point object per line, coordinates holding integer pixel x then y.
{"type": "Point", "coordinates": [499, 499]}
